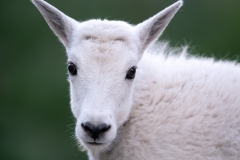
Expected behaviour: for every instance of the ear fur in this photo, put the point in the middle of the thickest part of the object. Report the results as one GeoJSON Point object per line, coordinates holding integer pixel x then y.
{"type": "Point", "coordinates": [62, 25]}
{"type": "Point", "coordinates": [152, 28]}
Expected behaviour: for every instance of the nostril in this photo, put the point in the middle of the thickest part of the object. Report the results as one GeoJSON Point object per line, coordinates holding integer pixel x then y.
{"type": "Point", "coordinates": [88, 127]}
{"type": "Point", "coordinates": [103, 128]}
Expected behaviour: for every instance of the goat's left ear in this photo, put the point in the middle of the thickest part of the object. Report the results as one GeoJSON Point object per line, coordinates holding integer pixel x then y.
{"type": "Point", "coordinates": [62, 25]}
{"type": "Point", "coordinates": [152, 28]}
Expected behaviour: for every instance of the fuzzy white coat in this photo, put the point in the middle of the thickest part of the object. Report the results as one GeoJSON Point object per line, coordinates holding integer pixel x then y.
{"type": "Point", "coordinates": [184, 108]}
{"type": "Point", "coordinates": [177, 107]}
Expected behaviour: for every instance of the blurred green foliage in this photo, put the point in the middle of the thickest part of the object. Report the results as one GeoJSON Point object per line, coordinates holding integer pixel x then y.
{"type": "Point", "coordinates": [35, 118]}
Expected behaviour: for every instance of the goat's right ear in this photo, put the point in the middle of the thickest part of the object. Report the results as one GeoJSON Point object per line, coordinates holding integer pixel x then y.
{"type": "Point", "coordinates": [62, 25]}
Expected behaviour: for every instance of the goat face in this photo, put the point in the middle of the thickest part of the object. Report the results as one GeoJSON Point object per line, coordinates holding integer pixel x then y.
{"type": "Point", "coordinates": [102, 65]}
{"type": "Point", "coordinates": [102, 59]}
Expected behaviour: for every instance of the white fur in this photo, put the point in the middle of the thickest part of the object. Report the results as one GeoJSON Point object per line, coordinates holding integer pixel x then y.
{"type": "Point", "coordinates": [177, 107]}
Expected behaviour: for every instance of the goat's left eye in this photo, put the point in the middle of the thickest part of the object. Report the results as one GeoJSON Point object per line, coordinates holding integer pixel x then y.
{"type": "Point", "coordinates": [72, 69]}
{"type": "Point", "coordinates": [131, 73]}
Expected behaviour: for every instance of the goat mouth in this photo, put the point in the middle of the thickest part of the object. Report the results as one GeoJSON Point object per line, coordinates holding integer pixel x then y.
{"type": "Point", "coordinates": [95, 143]}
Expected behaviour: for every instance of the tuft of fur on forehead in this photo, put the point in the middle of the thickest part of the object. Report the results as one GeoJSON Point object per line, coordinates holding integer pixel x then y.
{"type": "Point", "coordinates": [103, 36]}
{"type": "Point", "coordinates": [104, 41]}
{"type": "Point", "coordinates": [106, 30]}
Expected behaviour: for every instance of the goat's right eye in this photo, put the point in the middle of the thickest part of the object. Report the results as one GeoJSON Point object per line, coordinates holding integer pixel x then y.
{"type": "Point", "coordinates": [72, 69]}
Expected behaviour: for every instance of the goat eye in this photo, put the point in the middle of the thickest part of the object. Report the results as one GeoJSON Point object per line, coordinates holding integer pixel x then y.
{"type": "Point", "coordinates": [131, 73]}
{"type": "Point", "coordinates": [72, 69]}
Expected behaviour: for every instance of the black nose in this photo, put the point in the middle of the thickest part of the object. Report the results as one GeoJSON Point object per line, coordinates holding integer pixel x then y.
{"type": "Point", "coordinates": [95, 131]}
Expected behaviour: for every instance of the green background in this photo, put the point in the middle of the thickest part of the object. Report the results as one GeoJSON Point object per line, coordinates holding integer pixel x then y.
{"type": "Point", "coordinates": [35, 118]}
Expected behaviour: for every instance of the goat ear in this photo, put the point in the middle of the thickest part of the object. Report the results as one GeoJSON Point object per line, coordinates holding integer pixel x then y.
{"type": "Point", "coordinates": [62, 25]}
{"type": "Point", "coordinates": [152, 28]}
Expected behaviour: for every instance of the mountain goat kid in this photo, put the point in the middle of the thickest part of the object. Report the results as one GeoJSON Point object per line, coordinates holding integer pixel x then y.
{"type": "Point", "coordinates": [133, 102]}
